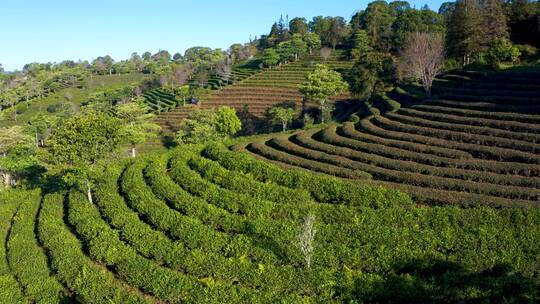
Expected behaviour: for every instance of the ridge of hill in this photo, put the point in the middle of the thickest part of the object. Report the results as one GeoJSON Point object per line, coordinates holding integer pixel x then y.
{"type": "Point", "coordinates": [260, 91]}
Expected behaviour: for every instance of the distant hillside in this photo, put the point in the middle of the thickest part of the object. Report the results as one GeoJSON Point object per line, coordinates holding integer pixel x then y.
{"type": "Point", "coordinates": [260, 91]}
{"type": "Point", "coordinates": [72, 95]}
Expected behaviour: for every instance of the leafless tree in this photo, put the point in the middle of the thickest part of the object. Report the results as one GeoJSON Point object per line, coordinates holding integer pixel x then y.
{"type": "Point", "coordinates": [306, 238]}
{"type": "Point", "coordinates": [224, 69]}
{"type": "Point", "coordinates": [422, 58]}
{"type": "Point", "coordinates": [181, 75]}
{"type": "Point", "coordinates": [325, 53]}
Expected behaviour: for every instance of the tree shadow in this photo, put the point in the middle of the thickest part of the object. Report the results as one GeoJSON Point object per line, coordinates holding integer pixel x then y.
{"type": "Point", "coordinates": [439, 281]}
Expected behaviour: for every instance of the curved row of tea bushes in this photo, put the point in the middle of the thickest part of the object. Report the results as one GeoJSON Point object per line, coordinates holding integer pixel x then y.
{"type": "Point", "coordinates": [89, 282]}
{"type": "Point", "coordinates": [503, 120]}
{"type": "Point", "coordinates": [306, 139]}
{"type": "Point", "coordinates": [324, 189]}
{"type": "Point", "coordinates": [352, 138]}
{"type": "Point", "coordinates": [26, 258]}
{"type": "Point", "coordinates": [9, 287]}
{"type": "Point", "coordinates": [400, 176]}
{"type": "Point", "coordinates": [191, 231]}
{"type": "Point", "coordinates": [327, 213]}
{"type": "Point", "coordinates": [479, 125]}
{"type": "Point", "coordinates": [465, 135]}
{"type": "Point", "coordinates": [396, 130]}
{"type": "Point", "coordinates": [104, 245]}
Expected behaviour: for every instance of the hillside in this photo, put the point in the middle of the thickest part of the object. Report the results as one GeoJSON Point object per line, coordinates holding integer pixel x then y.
{"type": "Point", "coordinates": [260, 91]}
{"type": "Point", "coordinates": [476, 143]}
{"type": "Point", "coordinates": [72, 95]}
{"type": "Point", "coordinates": [213, 226]}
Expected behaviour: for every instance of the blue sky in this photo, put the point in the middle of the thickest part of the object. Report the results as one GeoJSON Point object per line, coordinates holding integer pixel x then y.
{"type": "Point", "coordinates": [54, 30]}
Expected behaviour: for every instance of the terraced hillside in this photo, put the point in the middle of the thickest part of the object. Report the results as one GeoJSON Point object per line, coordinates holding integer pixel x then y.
{"type": "Point", "coordinates": [214, 226]}
{"type": "Point", "coordinates": [159, 100]}
{"type": "Point", "coordinates": [477, 143]}
{"type": "Point", "coordinates": [260, 91]}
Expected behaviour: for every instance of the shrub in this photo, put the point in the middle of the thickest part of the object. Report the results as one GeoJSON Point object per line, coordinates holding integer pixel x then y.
{"type": "Point", "coordinates": [502, 51]}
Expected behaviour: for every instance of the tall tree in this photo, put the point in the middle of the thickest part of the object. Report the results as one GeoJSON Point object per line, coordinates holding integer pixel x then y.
{"type": "Point", "coordinates": [79, 143]}
{"type": "Point", "coordinates": [494, 21]}
{"type": "Point", "coordinates": [322, 84]}
{"type": "Point", "coordinates": [371, 73]}
{"type": "Point", "coordinates": [377, 21]}
{"type": "Point", "coordinates": [299, 45]}
{"type": "Point", "coordinates": [338, 31]}
{"type": "Point", "coordinates": [298, 26]}
{"type": "Point", "coordinates": [464, 37]}
{"type": "Point", "coordinates": [360, 44]}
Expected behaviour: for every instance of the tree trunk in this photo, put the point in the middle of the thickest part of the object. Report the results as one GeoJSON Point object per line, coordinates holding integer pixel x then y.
{"type": "Point", "coordinates": [89, 191]}
{"type": "Point", "coordinates": [322, 112]}
{"type": "Point", "coordinates": [133, 152]}
{"type": "Point", "coordinates": [9, 181]}
{"type": "Point", "coordinates": [284, 126]}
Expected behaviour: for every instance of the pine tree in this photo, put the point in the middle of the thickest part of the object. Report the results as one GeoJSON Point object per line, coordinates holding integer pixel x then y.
{"type": "Point", "coordinates": [464, 36]}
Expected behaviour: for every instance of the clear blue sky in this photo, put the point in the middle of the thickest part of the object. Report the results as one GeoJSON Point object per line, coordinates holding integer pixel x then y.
{"type": "Point", "coordinates": [54, 30]}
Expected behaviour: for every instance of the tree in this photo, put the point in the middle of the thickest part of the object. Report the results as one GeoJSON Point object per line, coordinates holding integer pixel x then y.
{"type": "Point", "coordinates": [360, 44]}
{"type": "Point", "coordinates": [42, 126]}
{"type": "Point", "coordinates": [502, 50]}
{"type": "Point", "coordinates": [298, 26]}
{"type": "Point", "coordinates": [413, 21]}
{"type": "Point", "coordinates": [80, 142]}
{"type": "Point", "coordinates": [306, 239]}
{"type": "Point", "coordinates": [227, 122]}
{"type": "Point", "coordinates": [321, 84]}
{"type": "Point", "coordinates": [224, 70]}
{"type": "Point", "coordinates": [422, 58]}
{"type": "Point", "coordinates": [299, 46]}
{"type": "Point", "coordinates": [283, 115]}
{"type": "Point", "coordinates": [494, 21]}
{"type": "Point", "coordinates": [370, 74]}
{"type": "Point", "coordinates": [377, 21]}
{"type": "Point", "coordinates": [270, 57]}
{"type": "Point", "coordinates": [16, 154]}
{"type": "Point", "coordinates": [464, 37]}
{"type": "Point", "coordinates": [286, 51]}
{"type": "Point", "coordinates": [338, 31]}
{"type": "Point", "coordinates": [313, 42]}
{"type": "Point", "coordinates": [138, 126]}
{"type": "Point", "coordinates": [208, 125]}
{"type": "Point", "coordinates": [325, 53]}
